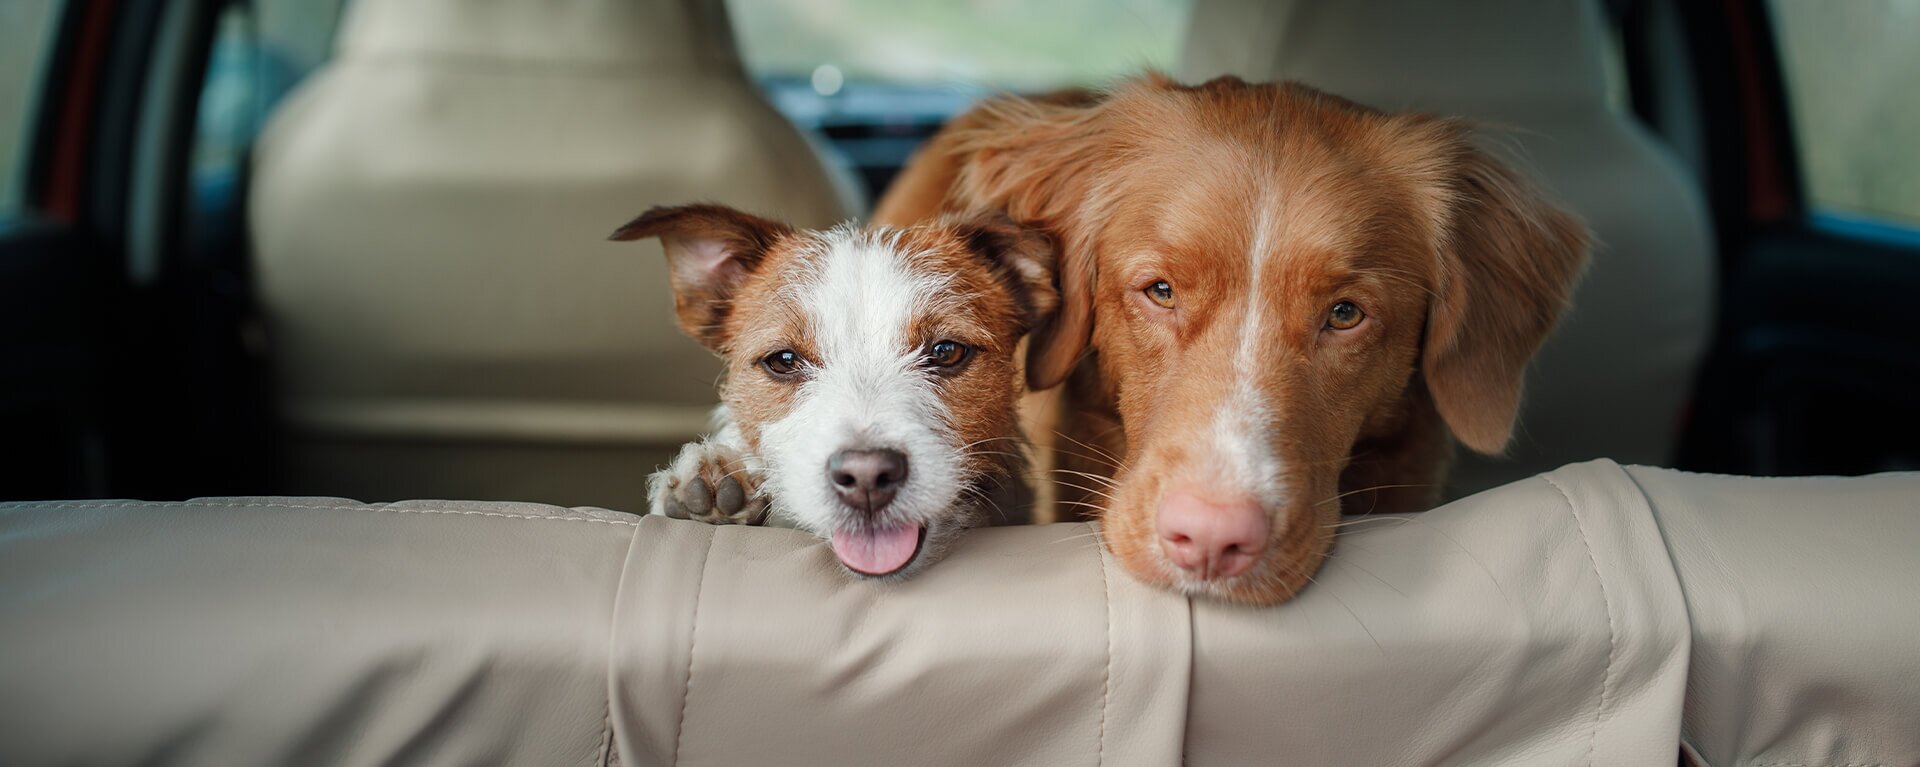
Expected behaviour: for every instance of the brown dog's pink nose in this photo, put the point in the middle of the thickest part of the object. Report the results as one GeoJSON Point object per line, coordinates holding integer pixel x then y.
{"type": "Point", "coordinates": [1211, 539]}
{"type": "Point", "coordinates": [867, 479]}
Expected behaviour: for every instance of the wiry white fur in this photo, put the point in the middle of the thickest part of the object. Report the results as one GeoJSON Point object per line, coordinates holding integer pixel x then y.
{"type": "Point", "coordinates": [1243, 453]}
{"type": "Point", "coordinates": [865, 389]}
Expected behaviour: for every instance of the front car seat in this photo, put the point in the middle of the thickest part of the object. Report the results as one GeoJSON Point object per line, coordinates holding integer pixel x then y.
{"type": "Point", "coordinates": [1614, 380]}
{"type": "Point", "coordinates": [429, 215]}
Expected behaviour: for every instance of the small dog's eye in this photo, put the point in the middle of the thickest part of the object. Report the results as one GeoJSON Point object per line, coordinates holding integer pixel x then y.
{"type": "Point", "coordinates": [782, 363]}
{"type": "Point", "coordinates": [1161, 292]}
{"type": "Point", "coordinates": [1345, 316]}
{"type": "Point", "coordinates": [946, 354]}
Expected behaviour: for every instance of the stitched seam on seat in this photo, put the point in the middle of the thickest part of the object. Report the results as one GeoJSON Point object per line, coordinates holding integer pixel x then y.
{"type": "Point", "coordinates": [1106, 679]}
{"type": "Point", "coordinates": [387, 509]}
{"type": "Point", "coordinates": [613, 627]}
{"type": "Point", "coordinates": [693, 636]}
{"type": "Point", "coordinates": [1613, 633]}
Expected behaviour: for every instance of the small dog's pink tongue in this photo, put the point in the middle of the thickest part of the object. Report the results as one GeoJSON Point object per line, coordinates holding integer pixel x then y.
{"type": "Point", "coordinates": [876, 552]}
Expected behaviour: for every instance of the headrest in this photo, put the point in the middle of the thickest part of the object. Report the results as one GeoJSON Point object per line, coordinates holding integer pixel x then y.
{"type": "Point", "coordinates": [1486, 58]}
{"type": "Point", "coordinates": [644, 33]}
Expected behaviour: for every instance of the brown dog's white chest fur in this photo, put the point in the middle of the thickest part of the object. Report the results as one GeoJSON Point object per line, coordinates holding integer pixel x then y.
{"type": "Point", "coordinates": [871, 377]}
{"type": "Point", "coordinates": [1275, 304]}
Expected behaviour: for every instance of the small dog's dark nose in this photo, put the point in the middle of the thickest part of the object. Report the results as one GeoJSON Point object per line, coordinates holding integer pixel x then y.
{"type": "Point", "coordinates": [867, 479]}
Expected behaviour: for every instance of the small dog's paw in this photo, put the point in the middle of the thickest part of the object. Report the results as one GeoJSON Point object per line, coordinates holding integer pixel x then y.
{"type": "Point", "coordinates": [708, 483]}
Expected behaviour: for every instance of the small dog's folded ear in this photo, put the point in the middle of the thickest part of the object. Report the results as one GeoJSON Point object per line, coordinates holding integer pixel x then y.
{"type": "Point", "coordinates": [1022, 257]}
{"type": "Point", "coordinates": [710, 251]}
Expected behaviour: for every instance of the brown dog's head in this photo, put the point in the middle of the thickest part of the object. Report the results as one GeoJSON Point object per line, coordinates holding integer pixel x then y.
{"type": "Point", "coordinates": [1273, 279]}
{"type": "Point", "coordinates": [871, 373]}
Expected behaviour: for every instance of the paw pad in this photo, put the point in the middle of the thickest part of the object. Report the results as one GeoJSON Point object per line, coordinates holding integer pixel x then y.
{"type": "Point", "coordinates": [709, 483]}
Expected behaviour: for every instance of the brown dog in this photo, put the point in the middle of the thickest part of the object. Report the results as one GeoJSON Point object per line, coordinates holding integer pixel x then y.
{"type": "Point", "coordinates": [1275, 303]}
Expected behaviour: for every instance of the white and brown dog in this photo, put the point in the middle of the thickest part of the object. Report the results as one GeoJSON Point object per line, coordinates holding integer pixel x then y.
{"type": "Point", "coordinates": [871, 380]}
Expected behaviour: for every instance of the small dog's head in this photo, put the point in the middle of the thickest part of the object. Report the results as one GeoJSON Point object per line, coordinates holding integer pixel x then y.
{"type": "Point", "coordinates": [871, 372]}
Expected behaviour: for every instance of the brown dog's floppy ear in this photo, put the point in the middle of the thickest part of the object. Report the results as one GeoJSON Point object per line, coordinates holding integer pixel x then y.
{"type": "Point", "coordinates": [1507, 268]}
{"type": "Point", "coordinates": [1021, 257]}
{"type": "Point", "coordinates": [710, 250]}
{"type": "Point", "coordinates": [1035, 158]}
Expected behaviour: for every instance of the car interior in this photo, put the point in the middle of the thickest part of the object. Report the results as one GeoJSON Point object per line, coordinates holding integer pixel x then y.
{"type": "Point", "coordinates": [357, 249]}
{"type": "Point", "coordinates": [181, 202]}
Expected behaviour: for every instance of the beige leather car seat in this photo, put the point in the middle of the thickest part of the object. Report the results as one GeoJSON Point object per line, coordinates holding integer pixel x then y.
{"type": "Point", "coordinates": [1615, 379]}
{"type": "Point", "coordinates": [430, 213]}
{"type": "Point", "coordinates": [1595, 615]}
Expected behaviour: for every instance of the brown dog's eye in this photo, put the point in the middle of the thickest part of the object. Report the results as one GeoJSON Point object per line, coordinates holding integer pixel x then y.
{"type": "Point", "coordinates": [1161, 292]}
{"type": "Point", "coordinates": [782, 364]}
{"type": "Point", "coordinates": [948, 354]}
{"type": "Point", "coordinates": [1344, 316]}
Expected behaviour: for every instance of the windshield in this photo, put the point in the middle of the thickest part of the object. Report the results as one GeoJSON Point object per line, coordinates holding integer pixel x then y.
{"type": "Point", "coordinates": [999, 44]}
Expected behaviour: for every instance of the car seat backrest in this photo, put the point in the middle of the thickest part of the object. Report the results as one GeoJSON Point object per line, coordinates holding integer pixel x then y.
{"type": "Point", "coordinates": [429, 218]}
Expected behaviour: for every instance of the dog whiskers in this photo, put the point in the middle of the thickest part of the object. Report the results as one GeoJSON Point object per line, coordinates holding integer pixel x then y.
{"type": "Point", "coordinates": [1081, 537]}
{"type": "Point", "coordinates": [1339, 496]}
{"type": "Point", "coordinates": [1096, 508]}
{"type": "Point", "coordinates": [989, 503]}
{"type": "Point", "coordinates": [975, 443]}
{"type": "Point", "coordinates": [1364, 519]}
{"type": "Point", "coordinates": [1109, 481]}
{"type": "Point", "coordinates": [1102, 456]}
{"type": "Point", "coordinates": [978, 453]}
{"type": "Point", "coordinates": [1356, 617]}
{"type": "Point", "coordinates": [1085, 489]}
{"type": "Point", "coordinates": [1357, 566]}
{"type": "Point", "coordinates": [1294, 568]}
{"type": "Point", "coordinates": [1091, 459]}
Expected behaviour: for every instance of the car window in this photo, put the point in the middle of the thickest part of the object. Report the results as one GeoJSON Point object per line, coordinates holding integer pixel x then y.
{"type": "Point", "coordinates": [993, 43]}
{"type": "Point", "coordinates": [1852, 74]}
{"type": "Point", "coordinates": [27, 29]}
{"type": "Point", "coordinates": [261, 50]}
